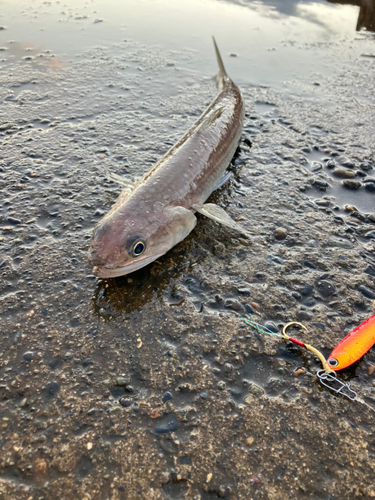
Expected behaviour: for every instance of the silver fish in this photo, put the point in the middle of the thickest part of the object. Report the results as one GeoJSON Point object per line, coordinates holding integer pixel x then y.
{"type": "Point", "coordinates": [154, 214]}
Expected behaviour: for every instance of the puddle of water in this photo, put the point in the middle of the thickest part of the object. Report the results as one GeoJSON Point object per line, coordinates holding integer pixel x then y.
{"type": "Point", "coordinates": [275, 42]}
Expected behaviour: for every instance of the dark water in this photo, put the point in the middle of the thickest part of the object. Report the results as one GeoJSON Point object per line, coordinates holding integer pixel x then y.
{"type": "Point", "coordinates": [149, 386]}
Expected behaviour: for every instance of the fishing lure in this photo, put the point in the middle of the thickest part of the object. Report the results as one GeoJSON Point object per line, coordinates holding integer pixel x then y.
{"type": "Point", "coordinates": [350, 349]}
{"type": "Point", "coordinates": [353, 346]}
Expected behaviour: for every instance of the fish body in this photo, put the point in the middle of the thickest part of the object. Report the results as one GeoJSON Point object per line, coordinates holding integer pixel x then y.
{"type": "Point", "coordinates": [156, 213]}
{"type": "Point", "coordinates": [353, 346]}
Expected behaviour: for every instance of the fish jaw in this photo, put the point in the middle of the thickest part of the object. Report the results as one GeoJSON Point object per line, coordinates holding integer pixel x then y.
{"type": "Point", "coordinates": [110, 252]}
{"type": "Point", "coordinates": [103, 272]}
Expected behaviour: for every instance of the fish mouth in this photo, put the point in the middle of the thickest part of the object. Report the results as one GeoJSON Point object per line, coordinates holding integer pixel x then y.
{"type": "Point", "coordinates": [104, 272]}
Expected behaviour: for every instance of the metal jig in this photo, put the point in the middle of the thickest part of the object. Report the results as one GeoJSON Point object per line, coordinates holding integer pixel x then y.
{"type": "Point", "coordinates": [327, 376]}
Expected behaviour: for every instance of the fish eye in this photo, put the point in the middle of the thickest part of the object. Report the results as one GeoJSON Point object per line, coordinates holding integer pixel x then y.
{"type": "Point", "coordinates": [333, 362]}
{"type": "Point", "coordinates": [138, 248]}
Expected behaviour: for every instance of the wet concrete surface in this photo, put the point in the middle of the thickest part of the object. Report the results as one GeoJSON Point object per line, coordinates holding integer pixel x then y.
{"type": "Point", "coordinates": [149, 385]}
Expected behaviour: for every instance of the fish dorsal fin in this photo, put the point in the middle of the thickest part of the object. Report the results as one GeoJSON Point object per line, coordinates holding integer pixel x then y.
{"type": "Point", "coordinates": [219, 215]}
{"type": "Point", "coordinates": [222, 73]}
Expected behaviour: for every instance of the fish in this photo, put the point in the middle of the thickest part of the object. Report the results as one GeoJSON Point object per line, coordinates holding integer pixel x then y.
{"type": "Point", "coordinates": [353, 346]}
{"type": "Point", "coordinates": [155, 213]}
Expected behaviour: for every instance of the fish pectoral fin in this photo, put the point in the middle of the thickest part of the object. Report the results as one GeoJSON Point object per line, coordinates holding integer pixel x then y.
{"type": "Point", "coordinates": [223, 180]}
{"type": "Point", "coordinates": [219, 215]}
{"type": "Point", "coordinates": [121, 180]}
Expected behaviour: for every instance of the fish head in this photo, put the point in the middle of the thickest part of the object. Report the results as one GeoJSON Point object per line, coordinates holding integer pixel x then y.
{"type": "Point", "coordinates": [125, 241]}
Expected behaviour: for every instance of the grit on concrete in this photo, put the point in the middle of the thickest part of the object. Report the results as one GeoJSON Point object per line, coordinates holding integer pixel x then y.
{"type": "Point", "coordinates": [150, 386]}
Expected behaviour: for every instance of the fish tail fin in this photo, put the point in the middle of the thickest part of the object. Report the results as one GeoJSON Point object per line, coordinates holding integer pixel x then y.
{"type": "Point", "coordinates": [222, 73]}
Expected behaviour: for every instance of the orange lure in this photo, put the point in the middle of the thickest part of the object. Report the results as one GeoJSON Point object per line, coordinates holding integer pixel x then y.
{"type": "Point", "coordinates": [353, 346]}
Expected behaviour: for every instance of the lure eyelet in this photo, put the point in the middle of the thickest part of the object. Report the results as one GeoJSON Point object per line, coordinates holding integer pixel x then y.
{"type": "Point", "coordinates": [138, 248]}
{"type": "Point", "coordinates": [333, 362]}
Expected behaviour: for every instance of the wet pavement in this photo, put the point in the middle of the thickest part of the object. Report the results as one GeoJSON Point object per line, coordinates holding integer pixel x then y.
{"type": "Point", "coordinates": [149, 385]}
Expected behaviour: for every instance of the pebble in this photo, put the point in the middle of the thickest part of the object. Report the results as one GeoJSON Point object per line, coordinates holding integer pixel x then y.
{"type": "Point", "coordinates": [303, 316]}
{"type": "Point", "coordinates": [53, 210]}
{"type": "Point", "coordinates": [12, 220]}
{"type": "Point", "coordinates": [370, 270]}
{"type": "Point", "coordinates": [54, 363]}
{"type": "Point", "coordinates": [311, 243]}
{"type": "Point", "coordinates": [307, 289]}
{"type": "Point", "coordinates": [52, 389]}
{"type": "Point", "coordinates": [233, 304]}
{"type": "Point", "coordinates": [221, 492]}
{"type": "Point", "coordinates": [28, 356]}
{"type": "Point", "coordinates": [351, 208]}
{"type": "Point", "coordinates": [167, 397]}
{"type": "Point", "coordinates": [40, 470]}
{"type": "Point", "coordinates": [221, 385]}
{"type": "Point", "coordinates": [122, 381]}
{"type": "Point", "coordinates": [365, 166]}
{"type": "Point", "coordinates": [228, 368]}
{"type": "Point", "coordinates": [331, 164]}
{"type": "Point", "coordinates": [243, 291]}
{"type": "Point", "coordinates": [371, 369]}
{"type": "Point", "coordinates": [126, 401]}
{"type": "Point", "coordinates": [271, 326]}
{"type": "Point", "coordinates": [366, 292]}
{"type": "Point", "coordinates": [320, 183]}
{"type": "Point", "coordinates": [322, 203]}
{"type": "Point", "coordinates": [316, 166]}
{"type": "Point", "coordinates": [308, 263]}
{"type": "Point", "coordinates": [351, 184]}
{"type": "Point", "coordinates": [256, 390]}
{"type": "Point", "coordinates": [169, 424]}
{"type": "Point", "coordinates": [345, 162]}
{"type": "Point", "coordinates": [280, 233]}
{"type": "Point", "coordinates": [325, 288]}
{"type": "Point", "coordinates": [370, 187]}
{"type": "Point", "coordinates": [343, 173]}
{"type": "Point", "coordinates": [165, 478]}
{"type": "Point", "coordinates": [249, 441]}
{"type": "Point", "coordinates": [249, 309]}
